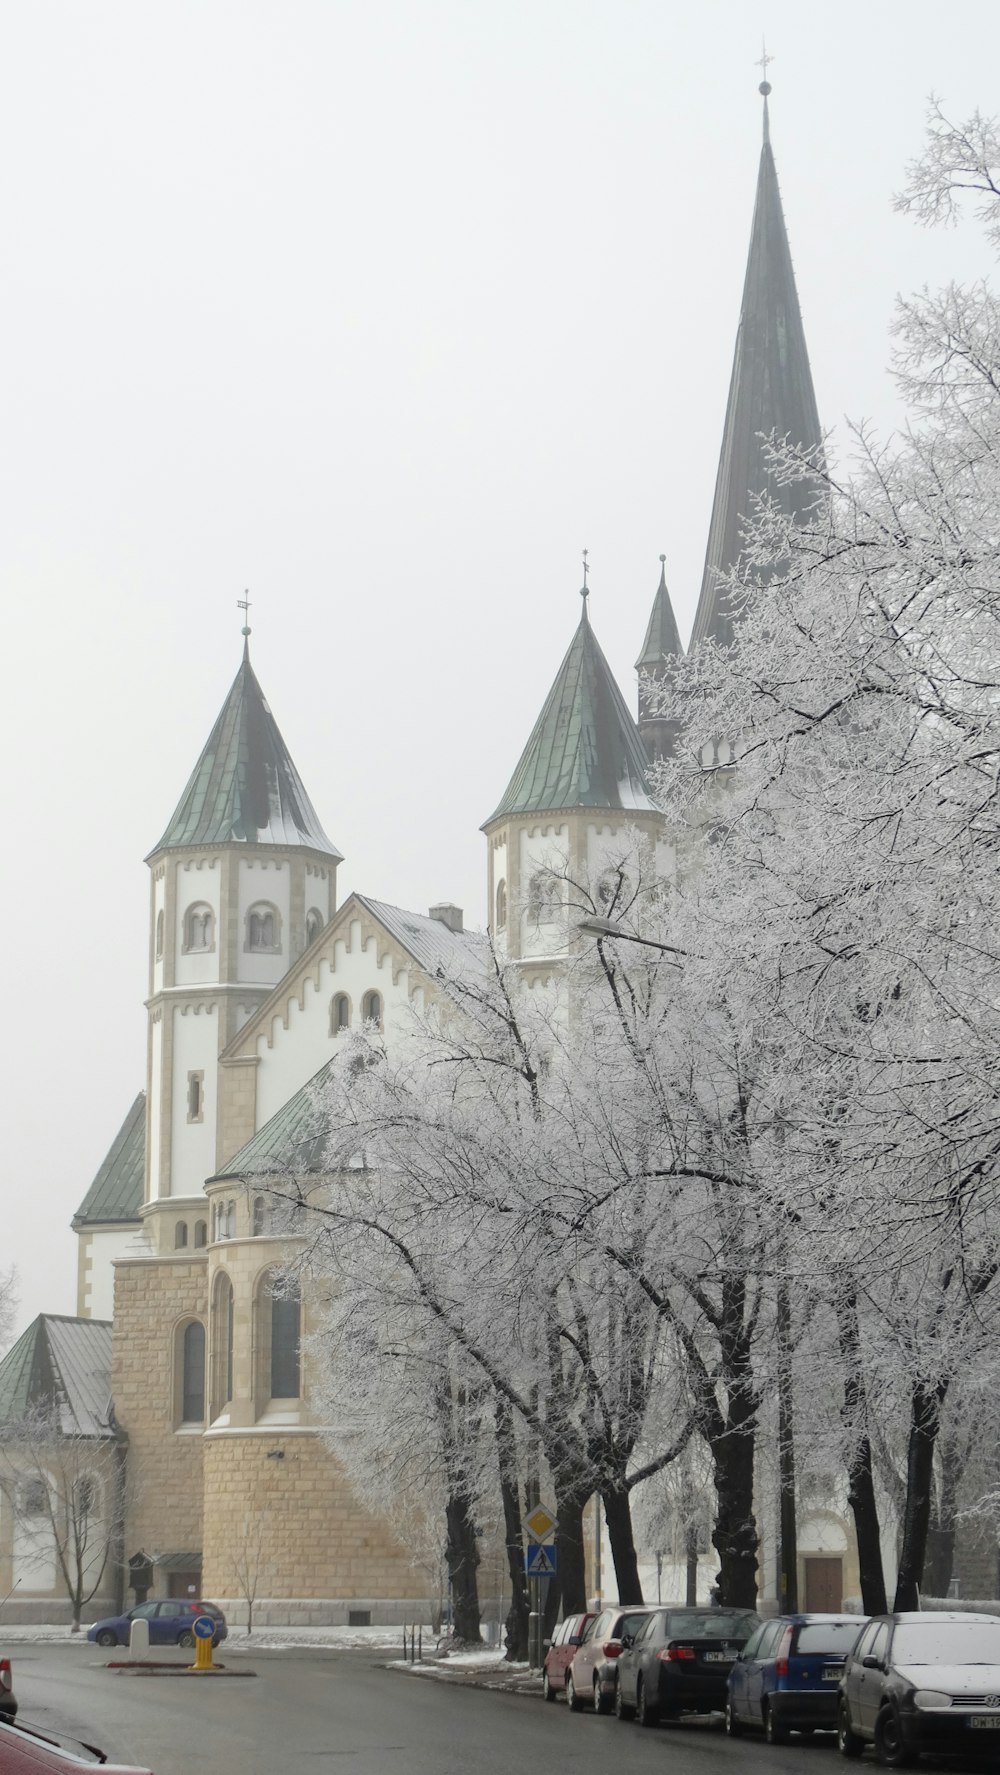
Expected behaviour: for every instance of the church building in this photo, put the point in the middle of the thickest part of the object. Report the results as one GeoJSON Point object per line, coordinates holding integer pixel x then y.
{"type": "Point", "coordinates": [254, 972]}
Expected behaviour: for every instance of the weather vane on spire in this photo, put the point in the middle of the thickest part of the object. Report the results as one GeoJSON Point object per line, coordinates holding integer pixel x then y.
{"type": "Point", "coordinates": [244, 605]}
{"type": "Point", "coordinates": [765, 85]}
{"type": "Point", "coordinates": [585, 589]}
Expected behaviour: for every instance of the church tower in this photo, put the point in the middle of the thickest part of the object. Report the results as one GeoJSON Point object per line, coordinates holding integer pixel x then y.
{"type": "Point", "coordinates": [770, 393]}
{"type": "Point", "coordinates": [243, 879]}
{"type": "Point", "coordinates": [660, 652]}
{"type": "Point", "coordinates": [579, 789]}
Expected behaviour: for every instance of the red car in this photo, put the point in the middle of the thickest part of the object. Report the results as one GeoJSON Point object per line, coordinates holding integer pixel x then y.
{"type": "Point", "coordinates": [562, 1649]}
{"type": "Point", "coordinates": [25, 1750]}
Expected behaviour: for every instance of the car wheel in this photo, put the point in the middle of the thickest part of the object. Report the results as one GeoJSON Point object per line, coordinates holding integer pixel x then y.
{"type": "Point", "coordinates": [107, 1637]}
{"type": "Point", "coordinates": [601, 1702]}
{"type": "Point", "coordinates": [548, 1692]}
{"type": "Point", "coordinates": [645, 1712]}
{"type": "Point", "coordinates": [848, 1742]}
{"type": "Point", "coordinates": [734, 1726]}
{"type": "Point", "coordinates": [774, 1731]}
{"type": "Point", "coordinates": [186, 1638]}
{"type": "Point", "coordinates": [890, 1749]}
{"type": "Point", "coordinates": [573, 1701]}
{"type": "Point", "coordinates": [622, 1709]}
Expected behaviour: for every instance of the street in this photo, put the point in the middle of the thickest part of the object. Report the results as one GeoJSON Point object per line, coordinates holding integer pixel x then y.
{"type": "Point", "coordinates": [310, 1709]}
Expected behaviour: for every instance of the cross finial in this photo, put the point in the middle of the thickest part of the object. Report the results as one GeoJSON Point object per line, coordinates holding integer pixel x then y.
{"type": "Point", "coordinates": [765, 85]}
{"type": "Point", "coordinates": [244, 605]}
{"type": "Point", "coordinates": [585, 589]}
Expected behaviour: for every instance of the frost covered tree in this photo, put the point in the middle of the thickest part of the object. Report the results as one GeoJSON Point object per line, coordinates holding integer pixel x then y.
{"type": "Point", "coordinates": [66, 1495]}
{"type": "Point", "coordinates": [848, 881]}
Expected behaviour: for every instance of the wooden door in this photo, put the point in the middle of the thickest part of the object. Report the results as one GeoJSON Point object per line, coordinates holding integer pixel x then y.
{"type": "Point", "coordinates": [824, 1584]}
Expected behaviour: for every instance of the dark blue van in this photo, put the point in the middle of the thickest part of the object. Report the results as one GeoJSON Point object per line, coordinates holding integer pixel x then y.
{"type": "Point", "coordinates": [788, 1674]}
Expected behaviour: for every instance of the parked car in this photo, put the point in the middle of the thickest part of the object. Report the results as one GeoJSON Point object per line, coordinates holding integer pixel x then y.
{"type": "Point", "coordinates": [27, 1750]}
{"type": "Point", "coordinates": [562, 1648]}
{"type": "Point", "coordinates": [8, 1702]}
{"type": "Point", "coordinates": [679, 1662]}
{"type": "Point", "coordinates": [915, 1682]}
{"type": "Point", "coordinates": [788, 1675]}
{"type": "Point", "coordinates": [170, 1623]}
{"type": "Point", "coordinates": [591, 1675]}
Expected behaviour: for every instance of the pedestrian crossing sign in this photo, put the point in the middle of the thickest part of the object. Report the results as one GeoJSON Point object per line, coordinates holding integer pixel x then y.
{"type": "Point", "coordinates": [540, 1561]}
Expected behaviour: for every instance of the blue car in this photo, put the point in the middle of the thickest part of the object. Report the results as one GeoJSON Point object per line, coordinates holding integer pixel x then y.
{"type": "Point", "coordinates": [171, 1623]}
{"type": "Point", "coordinates": [787, 1677]}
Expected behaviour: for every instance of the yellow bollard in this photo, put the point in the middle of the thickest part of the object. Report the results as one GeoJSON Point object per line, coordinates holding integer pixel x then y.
{"type": "Point", "coordinates": [203, 1644]}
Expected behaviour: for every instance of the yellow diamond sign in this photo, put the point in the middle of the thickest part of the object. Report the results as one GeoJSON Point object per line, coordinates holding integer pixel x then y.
{"type": "Point", "coordinates": [540, 1524]}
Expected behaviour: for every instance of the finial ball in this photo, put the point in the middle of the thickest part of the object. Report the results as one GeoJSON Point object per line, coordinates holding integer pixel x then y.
{"type": "Point", "coordinates": [764, 88]}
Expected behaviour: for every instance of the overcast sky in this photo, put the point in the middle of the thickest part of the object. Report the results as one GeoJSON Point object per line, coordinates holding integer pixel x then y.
{"type": "Point", "coordinates": [384, 310]}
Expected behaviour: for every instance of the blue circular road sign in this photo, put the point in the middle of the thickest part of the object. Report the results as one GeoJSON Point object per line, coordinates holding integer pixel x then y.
{"type": "Point", "coordinates": [203, 1627]}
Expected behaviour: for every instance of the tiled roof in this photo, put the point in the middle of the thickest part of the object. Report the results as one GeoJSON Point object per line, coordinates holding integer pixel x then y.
{"type": "Point", "coordinates": [116, 1192]}
{"type": "Point", "coordinates": [584, 749]}
{"type": "Point", "coordinates": [245, 788]}
{"type": "Point", "coordinates": [771, 390]}
{"type": "Point", "coordinates": [63, 1363]}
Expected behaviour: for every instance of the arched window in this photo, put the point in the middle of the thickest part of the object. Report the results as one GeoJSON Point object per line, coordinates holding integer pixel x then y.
{"type": "Point", "coordinates": [222, 1345]}
{"type": "Point", "coordinates": [199, 927]}
{"type": "Point", "coordinates": [371, 1007]}
{"type": "Point", "coordinates": [285, 1316]}
{"type": "Point", "coordinates": [259, 1217]}
{"type": "Point", "coordinates": [545, 901]}
{"type": "Point", "coordinates": [159, 933]}
{"type": "Point", "coordinates": [193, 1369]}
{"type": "Point", "coordinates": [180, 1235]}
{"type": "Point", "coordinates": [200, 1234]}
{"type": "Point", "coordinates": [230, 1220]}
{"type": "Point", "coordinates": [501, 905]}
{"type": "Point", "coordinates": [314, 924]}
{"type": "Point", "coordinates": [87, 1497]}
{"type": "Point", "coordinates": [34, 1497]}
{"type": "Point", "coordinates": [340, 1013]}
{"type": "Point", "coordinates": [263, 929]}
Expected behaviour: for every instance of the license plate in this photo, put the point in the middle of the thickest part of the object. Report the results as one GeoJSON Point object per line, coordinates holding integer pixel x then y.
{"type": "Point", "coordinates": [986, 1722]}
{"type": "Point", "coordinates": [717, 1658]}
{"type": "Point", "coordinates": [832, 1673]}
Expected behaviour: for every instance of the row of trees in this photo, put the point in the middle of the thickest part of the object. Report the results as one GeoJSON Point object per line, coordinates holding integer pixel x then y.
{"type": "Point", "coordinates": [740, 1176]}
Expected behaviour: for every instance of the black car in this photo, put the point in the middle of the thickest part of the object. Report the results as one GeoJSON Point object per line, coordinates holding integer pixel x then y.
{"type": "Point", "coordinates": [679, 1662]}
{"type": "Point", "coordinates": [915, 1682]}
{"type": "Point", "coordinates": [8, 1705]}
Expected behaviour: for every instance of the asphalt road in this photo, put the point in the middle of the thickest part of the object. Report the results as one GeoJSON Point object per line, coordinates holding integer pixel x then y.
{"type": "Point", "coordinates": [342, 1711]}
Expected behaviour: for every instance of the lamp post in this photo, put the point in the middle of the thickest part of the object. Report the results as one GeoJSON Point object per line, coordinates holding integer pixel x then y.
{"type": "Point", "coordinates": [606, 927]}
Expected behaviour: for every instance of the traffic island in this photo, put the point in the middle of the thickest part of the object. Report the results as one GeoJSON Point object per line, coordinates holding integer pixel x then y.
{"type": "Point", "coordinates": [149, 1667]}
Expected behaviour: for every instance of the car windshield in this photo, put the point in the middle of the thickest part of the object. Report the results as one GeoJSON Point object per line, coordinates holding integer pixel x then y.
{"type": "Point", "coordinates": [828, 1638]}
{"type": "Point", "coordinates": [947, 1642]}
{"type": "Point", "coordinates": [717, 1624]}
{"type": "Point", "coordinates": [630, 1624]}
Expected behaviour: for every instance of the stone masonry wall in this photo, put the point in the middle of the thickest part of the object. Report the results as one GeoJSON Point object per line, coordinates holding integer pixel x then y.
{"type": "Point", "coordinates": [287, 1525]}
{"type": "Point", "coordinates": [152, 1300]}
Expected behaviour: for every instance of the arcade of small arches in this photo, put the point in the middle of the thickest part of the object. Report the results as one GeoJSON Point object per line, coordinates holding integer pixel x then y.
{"type": "Point", "coordinates": [262, 929]}
{"type": "Point", "coordinates": [340, 1011]}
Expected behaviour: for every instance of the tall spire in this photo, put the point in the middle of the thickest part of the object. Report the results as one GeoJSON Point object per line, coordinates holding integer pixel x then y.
{"type": "Point", "coordinates": [770, 391]}
{"type": "Point", "coordinates": [660, 652]}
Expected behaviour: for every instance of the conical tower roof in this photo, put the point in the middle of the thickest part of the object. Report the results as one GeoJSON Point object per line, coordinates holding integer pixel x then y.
{"type": "Point", "coordinates": [663, 639]}
{"type": "Point", "coordinates": [244, 788]}
{"type": "Point", "coordinates": [584, 749]}
{"type": "Point", "coordinates": [771, 391]}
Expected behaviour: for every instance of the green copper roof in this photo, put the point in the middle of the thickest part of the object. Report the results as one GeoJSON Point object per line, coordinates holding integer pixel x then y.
{"type": "Point", "coordinates": [663, 639]}
{"type": "Point", "coordinates": [65, 1364]}
{"type": "Point", "coordinates": [770, 390]}
{"type": "Point", "coordinates": [584, 749]}
{"type": "Point", "coordinates": [293, 1141]}
{"type": "Point", "coordinates": [116, 1192]}
{"type": "Point", "coordinates": [245, 788]}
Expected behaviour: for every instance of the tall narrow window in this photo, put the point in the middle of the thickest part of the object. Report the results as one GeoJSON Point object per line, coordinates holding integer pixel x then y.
{"type": "Point", "coordinates": [340, 1013]}
{"type": "Point", "coordinates": [259, 1217]}
{"type": "Point", "coordinates": [314, 924]}
{"type": "Point", "coordinates": [180, 1235]}
{"type": "Point", "coordinates": [263, 929]}
{"type": "Point", "coordinates": [159, 933]}
{"type": "Point", "coordinates": [200, 1234]}
{"type": "Point", "coordinates": [193, 1377]}
{"type": "Point", "coordinates": [196, 1096]}
{"type": "Point", "coordinates": [371, 1007]}
{"type": "Point", "coordinates": [501, 905]}
{"type": "Point", "coordinates": [285, 1315]}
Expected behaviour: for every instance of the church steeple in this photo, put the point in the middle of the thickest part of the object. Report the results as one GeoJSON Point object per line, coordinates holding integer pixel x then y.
{"type": "Point", "coordinates": [661, 649]}
{"type": "Point", "coordinates": [770, 391]}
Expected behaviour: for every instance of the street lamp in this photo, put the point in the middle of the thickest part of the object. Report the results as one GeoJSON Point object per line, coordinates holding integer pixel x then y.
{"type": "Point", "coordinates": [606, 927]}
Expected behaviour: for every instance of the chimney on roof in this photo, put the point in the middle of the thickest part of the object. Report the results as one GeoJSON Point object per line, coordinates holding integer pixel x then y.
{"type": "Point", "coordinates": [448, 914]}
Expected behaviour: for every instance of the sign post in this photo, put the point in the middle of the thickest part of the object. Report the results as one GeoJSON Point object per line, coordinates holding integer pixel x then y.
{"type": "Point", "coordinates": [204, 1633]}
{"type": "Point", "coordinates": [539, 1563]}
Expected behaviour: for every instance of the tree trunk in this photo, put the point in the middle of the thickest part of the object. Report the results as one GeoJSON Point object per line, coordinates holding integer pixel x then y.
{"type": "Point", "coordinates": [858, 1461]}
{"type": "Point", "coordinates": [570, 1562]}
{"type": "Point", "coordinates": [735, 1533]}
{"type": "Point", "coordinates": [941, 1534]}
{"type": "Point", "coordinates": [788, 1586]}
{"type": "Point", "coordinates": [925, 1420]}
{"type": "Point", "coordinates": [618, 1514]}
{"type": "Point", "coordinates": [462, 1556]}
{"type": "Point", "coordinates": [517, 1617]}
